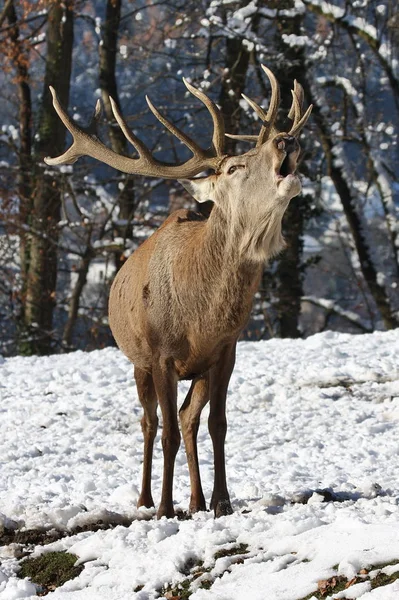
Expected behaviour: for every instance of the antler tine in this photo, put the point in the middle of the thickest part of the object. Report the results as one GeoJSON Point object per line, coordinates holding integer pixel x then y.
{"type": "Point", "coordinates": [273, 107]}
{"type": "Point", "coordinates": [258, 109]}
{"type": "Point", "coordinates": [141, 148]}
{"type": "Point", "coordinates": [297, 101]}
{"type": "Point", "coordinates": [295, 130]}
{"type": "Point", "coordinates": [78, 135]}
{"type": "Point", "coordinates": [261, 114]}
{"type": "Point", "coordinates": [275, 99]}
{"type": "Point", "coordinates": [296, 110]}
{"type": "Point", "coordinates": [243, 138]}
{"type": "Point", "coordinates": [92, 127]}
{"type": "Point", "coordinates": [195, 149]}
{"type": "Point", "coordinates": [218, 140]}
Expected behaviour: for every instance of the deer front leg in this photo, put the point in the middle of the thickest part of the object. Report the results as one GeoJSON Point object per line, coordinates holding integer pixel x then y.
{"type": "Point", "coordinates": [165, 382]}
{"type": "Point", "coordinates": [190, 413]}
{"type": "Point", "coordinates": [149, 424]}
{"type": "Point", "coordinates": [219, 381]}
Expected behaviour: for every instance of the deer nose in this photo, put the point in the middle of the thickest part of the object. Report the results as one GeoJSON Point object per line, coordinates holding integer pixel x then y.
{"type": "Point", "coordinates": [287, 144]}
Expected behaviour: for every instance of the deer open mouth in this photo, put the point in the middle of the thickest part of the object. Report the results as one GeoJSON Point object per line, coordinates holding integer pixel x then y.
{"type": "Point", "coordinates": [287, 167]}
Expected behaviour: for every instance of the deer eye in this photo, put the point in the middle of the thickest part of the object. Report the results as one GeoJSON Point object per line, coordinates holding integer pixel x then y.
{"type": "Point", "coordinates": [234, 168]}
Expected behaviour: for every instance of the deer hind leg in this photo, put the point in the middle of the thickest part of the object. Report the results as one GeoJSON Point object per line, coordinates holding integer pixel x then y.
{"type": "Point", "coordinates": [219, 380]}
{"type": "Point", "coordinates": [189, 414]}
{"type": "Point", "coordinates": [149, 424]}
{"type": "Point", "coordinates": [165, 382]}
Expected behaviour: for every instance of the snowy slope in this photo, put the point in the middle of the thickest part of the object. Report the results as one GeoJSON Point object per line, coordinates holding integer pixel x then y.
{"type": "Point", "coordinates": [303, 415]}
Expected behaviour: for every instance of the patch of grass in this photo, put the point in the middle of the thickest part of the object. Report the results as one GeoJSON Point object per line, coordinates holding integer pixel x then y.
{"type": "Point", "coordinates": [326, 587]}
{"type": "Point", "coordinates": [206, 584]}
{"type": "Point", "coordinates": [194, 569]}
{"type": "Point", "coordinates": [51, 569]}
{"type": "Point", "coordinates": [240, 549]}
{"type": "Point", "coordinates": [200, 570]}
{"type": "Point", "coordinates": [383, 579]}
{"type": "Point", "coordinates": [181, 591]}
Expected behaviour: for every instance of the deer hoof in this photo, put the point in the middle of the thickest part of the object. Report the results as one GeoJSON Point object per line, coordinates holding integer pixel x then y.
{"type": "Point", "coordinates": [222, 508]}
{"type": "Point", "coordinates": [196, 507]}
{"type": "Point", "coordinates": [165, 511]}
{"type": "Point", "coordinates": [145, 501]}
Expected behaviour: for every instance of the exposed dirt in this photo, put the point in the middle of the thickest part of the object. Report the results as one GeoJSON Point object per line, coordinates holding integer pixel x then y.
{"type": "Point", "coordinates": [41, 537]}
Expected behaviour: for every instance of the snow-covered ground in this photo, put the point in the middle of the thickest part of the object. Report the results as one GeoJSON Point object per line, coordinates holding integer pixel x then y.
{"type": "Point", "coordinates": [303, 415]}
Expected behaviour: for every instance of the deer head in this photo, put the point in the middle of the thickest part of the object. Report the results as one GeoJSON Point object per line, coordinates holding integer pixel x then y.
{"type": "Point", "coordinates": [274, 159]}
{"type": "Point", "coordinates": [272, 162]}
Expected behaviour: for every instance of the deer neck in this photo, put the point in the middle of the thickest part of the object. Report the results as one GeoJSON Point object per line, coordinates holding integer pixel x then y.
{"type": "Point", "coordinates": [246, 238]}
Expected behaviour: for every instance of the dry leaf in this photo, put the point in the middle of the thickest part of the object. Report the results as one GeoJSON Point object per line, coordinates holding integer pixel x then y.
{"type": "Point", "coordinates": [325, 586]}
{"type": "Point", "coordinates": [351, 582]}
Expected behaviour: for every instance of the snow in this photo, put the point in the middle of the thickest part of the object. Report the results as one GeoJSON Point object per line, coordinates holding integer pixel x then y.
{"type": "Point", "coordinates": [328, 8]}
{"type": "Point", "coordinates": [304, 416]}
{"type": "Point", "coordinates": [296, 40]}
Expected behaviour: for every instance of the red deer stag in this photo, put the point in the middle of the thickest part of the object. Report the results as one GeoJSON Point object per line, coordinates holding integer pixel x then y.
{"type": "Point", "coordinates": [179, 304]}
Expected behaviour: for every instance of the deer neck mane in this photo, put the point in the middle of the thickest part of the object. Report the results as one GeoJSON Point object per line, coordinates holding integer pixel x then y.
{"type": "Point", "coordinates": [245, 237]}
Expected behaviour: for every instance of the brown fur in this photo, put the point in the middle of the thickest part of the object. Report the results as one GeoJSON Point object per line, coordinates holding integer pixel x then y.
{"type": "Point", "coordinates": [182, 295]}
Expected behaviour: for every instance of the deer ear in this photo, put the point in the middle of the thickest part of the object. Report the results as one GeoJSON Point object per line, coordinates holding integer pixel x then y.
{"type": "Point", "coordinates": [201, 188]}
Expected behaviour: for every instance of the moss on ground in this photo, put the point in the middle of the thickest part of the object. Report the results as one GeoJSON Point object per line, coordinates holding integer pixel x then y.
{"type": "Point", "coordinates": [51, 569]}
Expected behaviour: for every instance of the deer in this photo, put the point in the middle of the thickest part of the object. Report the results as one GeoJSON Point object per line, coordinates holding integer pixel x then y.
{"type": "Point", "coordinates": [179, 303]}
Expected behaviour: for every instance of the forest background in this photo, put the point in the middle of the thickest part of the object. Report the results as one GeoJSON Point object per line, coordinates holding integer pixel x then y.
{"type": "Point", "coordinates": [64, 232]}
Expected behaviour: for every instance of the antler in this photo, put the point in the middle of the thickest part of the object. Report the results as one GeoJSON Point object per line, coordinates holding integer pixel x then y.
{"type": "Point", "coordinates": [296, 110]}
{"type": "Point", "coordinates": [268, 119]}
{"type": "Point", "coordinates": [86, 143]}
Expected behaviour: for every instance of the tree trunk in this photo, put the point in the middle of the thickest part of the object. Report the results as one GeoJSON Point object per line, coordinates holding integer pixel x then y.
{"type": "Point", "coordinates": [233, 85]}
{"type": "Point", "coordinates": [289, 271]}
{"type": "Point", "coordinates": [42, 276]}
{"type": "Point", "coordinates": [108, 85]}
{"type": "Point", "coordinates": [24, 185]}
{"type": "Point", "coordinates": [74, 302]}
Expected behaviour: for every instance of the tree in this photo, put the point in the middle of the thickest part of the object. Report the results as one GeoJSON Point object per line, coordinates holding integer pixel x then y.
{"type": "Point", "coordinates": [108, 84]}
{"type": "Point", "coordinates": [16, 51]}
{"type": "Point", "coordinates": [38, 191]}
